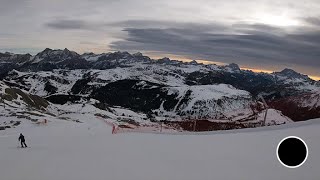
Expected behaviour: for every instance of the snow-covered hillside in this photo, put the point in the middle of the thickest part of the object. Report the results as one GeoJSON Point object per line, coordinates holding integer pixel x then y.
{"type": "Point", "coordinates": [208, 100]}
{"type": "Point", "coordinates": [214, 101]}
{"type": "Point", "coordinates": [80, 151]}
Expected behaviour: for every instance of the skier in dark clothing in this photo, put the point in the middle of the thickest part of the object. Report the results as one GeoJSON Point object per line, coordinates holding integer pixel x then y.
{"type": "Point", "coordinates": [22, 140]}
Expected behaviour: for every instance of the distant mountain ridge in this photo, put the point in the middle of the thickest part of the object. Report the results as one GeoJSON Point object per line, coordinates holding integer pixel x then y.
{"type": "Point", "coordinates": [49, 59]}
{"type": "Point", "coordinates": [164, 86]}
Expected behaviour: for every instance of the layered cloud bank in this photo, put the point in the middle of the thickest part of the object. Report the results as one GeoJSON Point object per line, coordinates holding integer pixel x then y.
{"type": "Point", "coordinates": [257, 34]}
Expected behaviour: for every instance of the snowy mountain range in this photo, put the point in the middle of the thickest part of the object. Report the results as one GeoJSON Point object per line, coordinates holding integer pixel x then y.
{"type": "Point", "coordinates": [136, 87]}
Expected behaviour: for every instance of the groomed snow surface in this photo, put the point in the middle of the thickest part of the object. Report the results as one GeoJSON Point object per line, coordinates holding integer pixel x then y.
{"type": "Point", "coordinates": [64, 150]}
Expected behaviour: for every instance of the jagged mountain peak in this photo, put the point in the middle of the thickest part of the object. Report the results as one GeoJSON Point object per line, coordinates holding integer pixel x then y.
{"type": "Point", "coordinates": [233, 67]}
{"type": "Point", "coordinates": [6, 54]}
{"type": "Point", "coordinates": [165, 59]}
{"type": "Point", "coordinates": [116, 55]}
{"type": "Point", "coordinates": [50, 59]}
{"type": "Point", "coordinates": [193, 62]}
{"type": "Point", "coordinates": [9, 53]}
{"type": "Point", "coordinates": [47, 49]}
{"type": "Point", "coordinates": [290, 73]}
{"type": "Point", "coordinates": [137, 54]}
{"type": "Point", "coordinates": [169, 61]}
{"type": "Point", "coordinates": [55, 55]}
{"type": "Point", "coordinates": [122, 53]}
{"type": "Point", "coordinates": [11, 61]}
{"type": "Point", "coordinates": [89, 54]}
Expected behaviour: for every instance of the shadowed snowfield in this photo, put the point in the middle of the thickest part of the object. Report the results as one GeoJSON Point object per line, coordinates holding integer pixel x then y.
{"type": "Point", "coordinates": [83, 151]}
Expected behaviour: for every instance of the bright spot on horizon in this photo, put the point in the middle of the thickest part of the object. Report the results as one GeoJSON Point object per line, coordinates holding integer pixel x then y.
{"type": "Point", "coordinates": [276, 20]}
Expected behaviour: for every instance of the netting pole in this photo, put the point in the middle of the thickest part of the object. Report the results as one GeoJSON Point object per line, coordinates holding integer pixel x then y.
{"type": "Point", "coordinates": [194, 126]}
{"type": "Point", "coordinates": [113, 129]}
{"type": "Point", "coordinates": [160, 126]}
{"type": "Point", "coordinates": [265, 117]}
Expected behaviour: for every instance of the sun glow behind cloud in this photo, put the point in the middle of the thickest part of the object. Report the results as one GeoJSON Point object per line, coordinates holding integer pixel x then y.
{"type": "Point", "coordinates": [275, 20]}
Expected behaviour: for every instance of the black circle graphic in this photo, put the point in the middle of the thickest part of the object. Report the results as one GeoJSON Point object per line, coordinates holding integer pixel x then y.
{"type": "Point", "coordinates": [292, 152]}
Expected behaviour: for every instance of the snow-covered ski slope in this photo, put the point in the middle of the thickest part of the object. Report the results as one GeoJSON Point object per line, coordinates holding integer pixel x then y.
{"type": "Point", "coordinates": [64, 150]}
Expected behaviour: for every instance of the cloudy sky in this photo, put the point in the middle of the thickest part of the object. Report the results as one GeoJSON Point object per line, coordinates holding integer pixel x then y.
{"type": "Point", "coordinates": [257, 34]}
